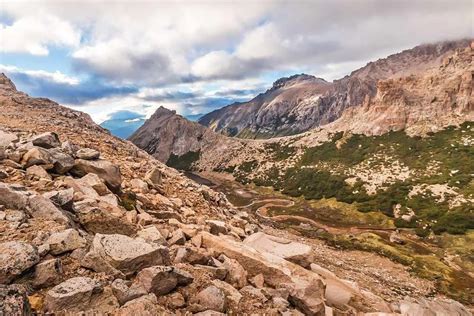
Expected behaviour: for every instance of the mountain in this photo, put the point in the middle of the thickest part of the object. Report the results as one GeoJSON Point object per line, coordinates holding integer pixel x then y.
{"type": "Point", "coordinates": [400, 160]}
{"type": "Point", "coordinates": [166, 134]}
{"type": "Point", "coordinates": [301, 102]}
{"type": "Point", "coordinates": [123, 123]}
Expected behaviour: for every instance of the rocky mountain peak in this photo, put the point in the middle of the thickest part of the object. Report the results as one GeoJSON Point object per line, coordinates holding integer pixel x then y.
{"type": "Point", "coordinates": [6, 83]}
{"type": "Point", "coordinates": [298, 78]}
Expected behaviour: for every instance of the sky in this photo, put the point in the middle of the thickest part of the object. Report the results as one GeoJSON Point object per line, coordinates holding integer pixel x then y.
{"type": "Point", "coordinates": [109, 57]}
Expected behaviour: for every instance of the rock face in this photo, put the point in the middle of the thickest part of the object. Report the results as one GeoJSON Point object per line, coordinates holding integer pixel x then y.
{"type": "Point", "coordinates": [16, 257]}
{"type": "Point", "coordinates": [299, 103]}
{"type": "Point", "coordinates": [122, 255]}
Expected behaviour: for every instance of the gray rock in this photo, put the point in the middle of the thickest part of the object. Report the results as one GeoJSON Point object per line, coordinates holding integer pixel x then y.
{"type": "Point", "coordinates": [211, 298]}
{"type": "Point", "coordinates": [121, 255]}
{"type": "Point", "coordinates": [37, 172]}
{"type": "Point", "coordinates": [46, 140]}
{"type": "Point", "coordinates": [217, 227]}
{"type": "Point", "coordinates": [61, 161]}
{"type": "Point", "coordinates": [99, 217]}
{"type": "Point", "coordinates": [177, 238]}
{"type": "Point", "coordinates": [62, 198]}
{"type": "Point", "coordinates": [37, 156]}
{"type": "Point", "coordinates": [15, 216]}
{"type": "Point", "coordinates": [87, 154]}
{"type": "Point", "coordinates": [159, 280]}
{"type": "Point", "coordinates": [124, 293]}
{"type": "Point", "coordinates": [6, 138]}
{"type": "Point", "coordinates": [14, 300]}
{"type": "Point", "coordinates": [47, 273]}
{"type": "Point", "coordinates": [41, 207]}
{"type": "Point", "coordinates": [13, 196]}
{"type": "Point", "coordinates": [65, 241]}
{"type": "Point", "coordinates": [436, 306]}
{"type": "Point", "coordinates": [146, 305]}
{"type": "Point", "coordinates": [106, 170]}
{"type": "Point", "coordinates": [151, 234]}
{"type": "Point", "coordinates": [16, 257]}
{"type": "Point", "coordinates": [73, 294]}
{"type": "Point", "coordinates": [154, 178]}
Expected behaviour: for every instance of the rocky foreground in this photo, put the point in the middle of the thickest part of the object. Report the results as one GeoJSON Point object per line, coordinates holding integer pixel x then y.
{"type": "Point", "coordinates": [90, 223]}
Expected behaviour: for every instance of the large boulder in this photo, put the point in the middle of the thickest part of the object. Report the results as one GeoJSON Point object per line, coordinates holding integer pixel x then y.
{"type": "Point", "coordinates": [73, 294]}
{"type": "Point", "coordinates": [121, 255]}
{"type": "Point", "coordinates": [46, 140]}
{"type": "Point", "coordinates": [290, 250]}
{"type": "Point", "coordinates": [14, 300]}
{"type": "Point", "coordinates": [16, 257]}
{"type": "Point", "coordinates": [101, 217]}
{"type": "Point", "coordinates": [306, 288]}
{"type": "Point", "coordinates": [64, 241]}
{"type": "Point", "coordinates": [106, 170]}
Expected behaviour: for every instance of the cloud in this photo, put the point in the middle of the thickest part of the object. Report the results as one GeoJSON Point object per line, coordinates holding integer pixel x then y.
{"type": "Point", "coordinates": [60, 87]}
{"type": "Point", "coordinates": [33, 34]}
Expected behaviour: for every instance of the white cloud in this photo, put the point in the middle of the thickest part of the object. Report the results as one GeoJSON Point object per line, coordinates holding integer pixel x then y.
{"type": "Point", "coordinates": [56, 76]}
{"type": "Point", "coordinates": [33, 35]}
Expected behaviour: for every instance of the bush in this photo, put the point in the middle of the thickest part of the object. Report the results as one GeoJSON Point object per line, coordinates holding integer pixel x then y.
{"type": "Point", "coordinates": [183, 162]}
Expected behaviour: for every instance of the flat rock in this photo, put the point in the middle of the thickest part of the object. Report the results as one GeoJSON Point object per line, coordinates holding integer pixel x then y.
{"type": "Point", "coordinates": [292, 251]}
{"type": "Point", "coordinates": [121, 255]}
{"type": "Point", "coordinates": [87, 154]}
{"type": "Point", "coordinates": [16, 257]}
{"type": "Point", "coordinates": [65, 241]}
{"type": "Point", "coordinates": [106, 170]}
{"type": "Point", "coordinates": [151, 234]}
{"type": "Point", "coordinates": [436, 306]}
{"type": "Point", "coordinates": [37, 172]}
{"type": "Point", "coordinates": [73, 294]}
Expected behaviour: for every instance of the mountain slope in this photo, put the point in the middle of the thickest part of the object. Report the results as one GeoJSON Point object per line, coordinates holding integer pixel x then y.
{"type": "Point", "coordinates": [299, 103]}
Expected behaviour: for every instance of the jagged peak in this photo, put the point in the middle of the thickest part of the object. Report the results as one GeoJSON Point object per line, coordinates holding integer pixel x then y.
{"type": "Point", "coordinates": [296, 78]}
{"type": "Point", "coordinates": [162, 111]}
{"type": "Point", "coordinates": [6, 83]}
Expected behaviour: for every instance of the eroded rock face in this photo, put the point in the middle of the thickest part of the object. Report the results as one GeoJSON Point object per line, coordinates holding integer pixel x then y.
{"type": "Point", "coordinates": [73, 294]}
{"type": "Point", "coordinates": [106, 170]}
{"type": "Point", "coordinates": [121, 255]}
{"type": "Point", "coordinates": [16, 257]}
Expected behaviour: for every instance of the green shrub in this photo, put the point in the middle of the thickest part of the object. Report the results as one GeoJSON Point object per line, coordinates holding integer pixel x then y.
{"type": "Point", "coordinates": [183, 162]}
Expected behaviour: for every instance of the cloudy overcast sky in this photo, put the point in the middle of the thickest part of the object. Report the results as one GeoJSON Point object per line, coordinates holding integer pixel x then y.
{"type": "Point", "coordinates": [194, 56]}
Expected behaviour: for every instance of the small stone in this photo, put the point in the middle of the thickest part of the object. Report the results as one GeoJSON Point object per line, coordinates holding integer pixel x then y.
{"type": "Point", "coordinates": [177, 238]}
{"type": "Point", "coordinates": [37, 172]}
{"type": "Point", "coordinates": [217, 227]}
{"type": "Point", "coordinates": [211, 298]}
{"type": "Point", "coordinates": [158, 280]}
{"type": "Point", "coordinates": [258, 280]}
{"type": "Point", "coordinates": [176, 300]}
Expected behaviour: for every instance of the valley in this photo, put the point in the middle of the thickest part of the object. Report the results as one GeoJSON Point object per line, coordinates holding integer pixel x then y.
{"type": "Point", "coordinates": [444, 261]}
